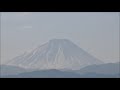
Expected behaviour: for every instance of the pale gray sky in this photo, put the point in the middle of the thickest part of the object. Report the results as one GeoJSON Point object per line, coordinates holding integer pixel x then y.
{"type": "Point", "coordinates": [95, 32]}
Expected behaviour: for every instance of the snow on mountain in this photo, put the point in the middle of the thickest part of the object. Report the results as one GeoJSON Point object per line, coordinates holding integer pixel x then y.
{"type": "Point", "coordinates": [55, 54]}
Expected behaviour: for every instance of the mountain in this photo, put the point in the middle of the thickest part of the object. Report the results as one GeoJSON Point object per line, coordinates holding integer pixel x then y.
{"type": "Point", "coordinates": [52, 73]}
{"type": "Point", "coordinates": [103, 69]}
{"type": "Point", "coordinates": [10, 70]}
{"type": "Point", "coordinates": [108, 70]}
{"type": "Point", "coordinates": [55, 54]}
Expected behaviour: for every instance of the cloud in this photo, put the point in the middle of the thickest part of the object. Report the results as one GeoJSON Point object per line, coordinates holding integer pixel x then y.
{"type": "Point", "coordinates": [24, 14]}
{"type": "Point", "coordinates": [27, 27]}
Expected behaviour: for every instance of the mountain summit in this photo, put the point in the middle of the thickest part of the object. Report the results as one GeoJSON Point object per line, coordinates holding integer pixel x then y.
{"type": "Point", "coordinates": [55, 54]}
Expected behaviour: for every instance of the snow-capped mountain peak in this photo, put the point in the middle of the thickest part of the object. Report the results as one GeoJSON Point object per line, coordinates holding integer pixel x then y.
{"type": "Point", "coordinates": [55, 54]}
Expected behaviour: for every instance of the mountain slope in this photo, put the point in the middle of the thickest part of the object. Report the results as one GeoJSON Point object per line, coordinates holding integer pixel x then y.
{"type": "Point", "coordinates": [106, 69]}
{"type": "Point", "coordinates": [55, 54]}
{"type": "Point", "coordinates": [10, 70]}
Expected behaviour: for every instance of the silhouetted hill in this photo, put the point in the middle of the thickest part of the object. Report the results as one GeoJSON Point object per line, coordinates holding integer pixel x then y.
{"type": "Point", "coordinates": [105, 69]}
{"type": "Point", "coordinates": [109, 70]}
{"type": "Point", "coordinates": [46, 74]}
{"type": "Point", "coordinates": [10, 70]}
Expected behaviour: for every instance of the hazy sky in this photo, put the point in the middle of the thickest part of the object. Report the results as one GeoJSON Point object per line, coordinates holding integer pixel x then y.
{"type": "Point", "coordinates": [95, 32]}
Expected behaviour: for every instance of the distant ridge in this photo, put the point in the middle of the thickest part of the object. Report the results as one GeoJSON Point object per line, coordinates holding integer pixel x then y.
{"type": "Point", "coordinates": [108, 70]}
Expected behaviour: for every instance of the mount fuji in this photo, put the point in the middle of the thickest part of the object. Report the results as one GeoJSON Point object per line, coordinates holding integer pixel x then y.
{"type": "Point", "coordinates": [55, 54]}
